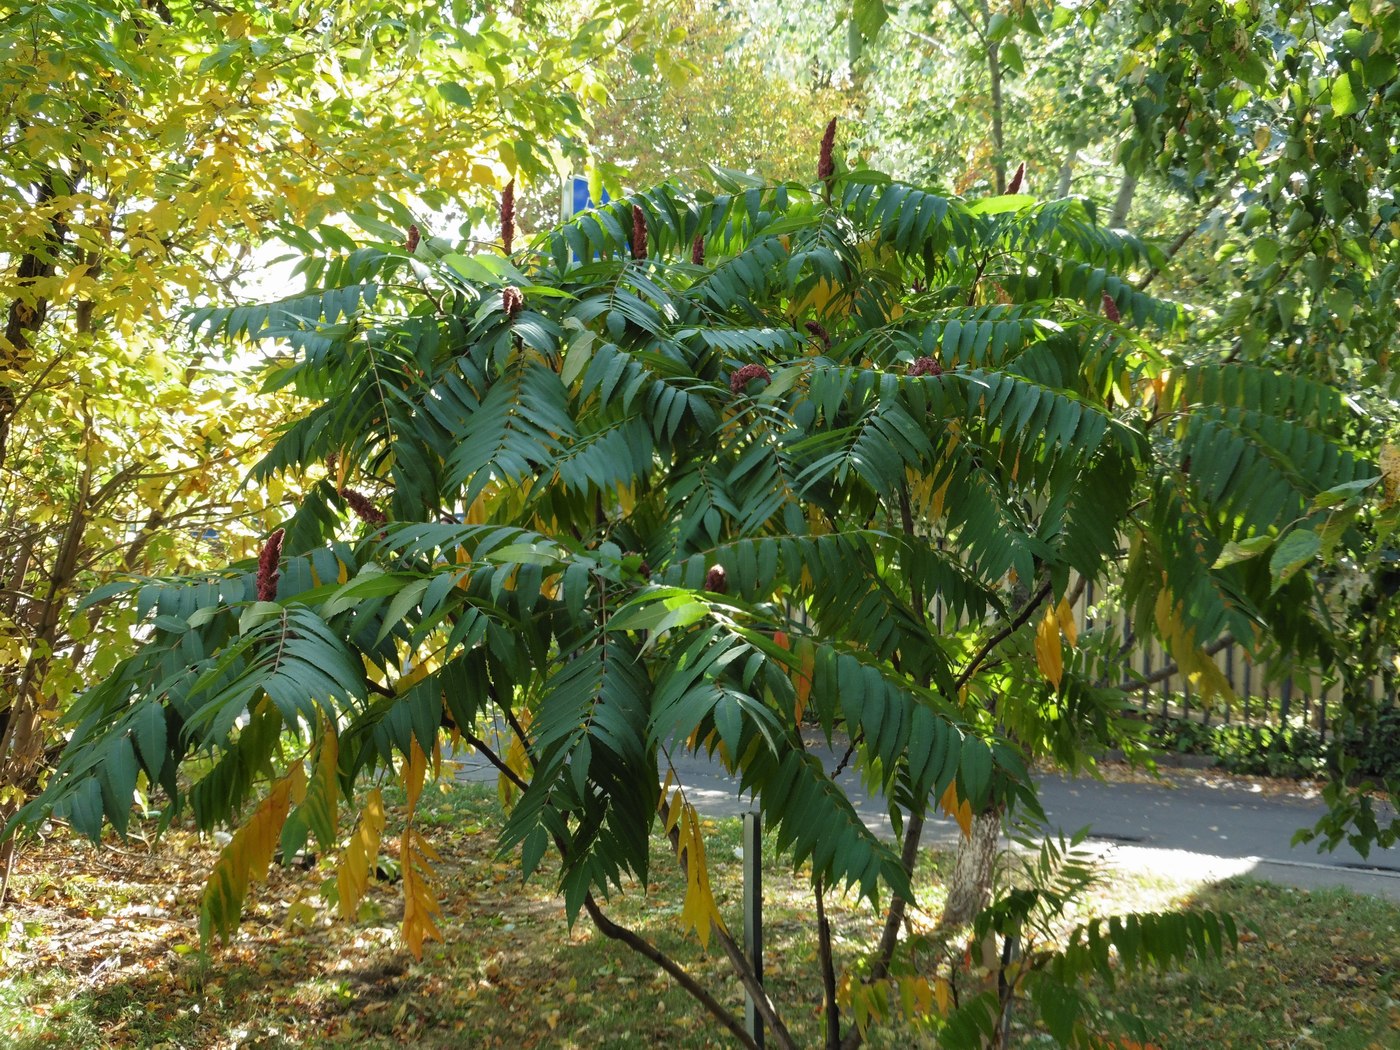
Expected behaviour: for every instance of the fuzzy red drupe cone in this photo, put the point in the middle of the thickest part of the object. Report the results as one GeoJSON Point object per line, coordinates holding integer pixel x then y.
{"type": "Point", "coordinates": [1014, 186]}
{"type": "Point", "coordinates": [361, 505]}
{"type": "Point", "coordinates": [410, 243]}
{"type": "Point", "coordinates": [741, 376]}
{"type": "Point", "coordinates": [925, 366]}
{"type": "Point", "coordinates": [819, 330]}
{"type": "Point", "coordinates": [508, 216]}
{"type": "Point", "coordinates": [1110, 309]}
{"type": "Point", "coordinates": [512, 301]}
{"type": "Point", "coordinates": [697, 250]}
{"type": "Point", "coordinates": [639, 233]}
{"type": "Point", "coordinates": [268, 561]}
{"type": "Point", "coordinates": [826, 166]}
{"type": "Point", "coordinates": [717, 580]}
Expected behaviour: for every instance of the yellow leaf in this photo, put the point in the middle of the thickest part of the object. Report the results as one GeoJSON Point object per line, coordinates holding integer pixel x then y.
{"type": "Point", "coordinates": [415, 768]}
{"type": "Point", "coordinates": [1200, 670]}
{"type": "Point", "coordinates": [626, 499]}
{"type": "Point", "coordinates": [672, 810]}
{"type": "Point", "coordinates": [420, 903]}
{"type": "Point", "coordinates": [959, 809]}
{"type": "Point", "coordinates": [1047, 648]}
{"type": "Point", "coordinates": [1067, 625]}
{"type": "Point", "coordinates": [517, 761]}
{"type": "Point", "coordinates": [359, 855]}
{"type": "Point", "coordinates": [943, 995]}
{"type": "Point", "coordinates": [699, 911]}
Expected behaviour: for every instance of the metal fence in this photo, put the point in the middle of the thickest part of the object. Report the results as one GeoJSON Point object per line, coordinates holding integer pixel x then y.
{"type": "Point", "coordinates": [1259, 699]}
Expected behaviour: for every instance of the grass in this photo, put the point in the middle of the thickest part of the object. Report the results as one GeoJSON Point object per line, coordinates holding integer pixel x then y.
{"type": "Point", "coordinates": [1314, 969]}
{"type": "Point", "coordinates": [100, 950]}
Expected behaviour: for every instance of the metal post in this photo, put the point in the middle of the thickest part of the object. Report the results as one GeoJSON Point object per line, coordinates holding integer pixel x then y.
{"type": "Point", "coordinates": [753, 916]}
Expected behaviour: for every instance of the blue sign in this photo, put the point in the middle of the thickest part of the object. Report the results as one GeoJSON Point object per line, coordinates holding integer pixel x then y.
{"type": "Point", "coordinates": [580, 200]}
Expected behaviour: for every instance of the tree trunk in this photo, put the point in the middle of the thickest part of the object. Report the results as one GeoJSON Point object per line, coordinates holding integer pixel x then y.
{"type": "Point", "coordinates": [22, 743]}
{"type": "Point", "coordinates": [24, 318]}
{"type": "Point", "coordinates": [998, 134]}
{"type": "Point", "coordinates": [1123, 204]}
{"type": "Point", "coordinates": [970, 887]}
{"type": "Point", "coordinates": [1066, 174]}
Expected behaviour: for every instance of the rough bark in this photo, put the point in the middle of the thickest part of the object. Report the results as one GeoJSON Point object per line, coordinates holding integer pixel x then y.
{"type": "Point", "coordinates": [970, 887]}
{"type": "Point", "coordinates": [24, 318]}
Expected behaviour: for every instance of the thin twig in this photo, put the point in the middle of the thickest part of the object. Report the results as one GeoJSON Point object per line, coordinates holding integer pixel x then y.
{"type": "Point", "coordinates": [1000, 636]}
{"type": "Point", "coordinates": [889, 937]}
{"type": "Point", "coordinates": [491, 756]}
{"type": "Point", "coordinates": [617, 932]}
{"type": "Point", "coordinates": [846, 758]}
{"type": "Point", "coordinates": [1173, 668]}
{"type": "Point", "coordinates": [833, 1010]}
{"type": "Point", "coordinates": [645, 948]}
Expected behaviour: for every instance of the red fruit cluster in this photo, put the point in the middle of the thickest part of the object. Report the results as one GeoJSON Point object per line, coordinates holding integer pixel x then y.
{"type": "Point", "coordinates": [1110, 308]}
{"type": "Point", "coordinates": [1014, 186]}
{"type": "Point", "coordinates": [826, 165]}
{"type": "Point", "coordinates": [410, 243]}
{"type": "Point", "coordinates": [360, 504]}
{"type": "Point", "coordinates": [925, 366]}
{"type": "Point", "coordinates": [512, 301]}
{"type": "Point", "coordinates": [639, 233]}
{"type": "Point", "coordinates": [741, 376]}
{"type": "Point", "coordinates": [508, 216]}
{"type": "Point", "coordinates": [819, 330]}
{"type": "Point", "coordinates": [717, 580]}
{"type": "Point", "coordinates": [268, 561]}
{"type": "Point", "coordinates": [697, 250]}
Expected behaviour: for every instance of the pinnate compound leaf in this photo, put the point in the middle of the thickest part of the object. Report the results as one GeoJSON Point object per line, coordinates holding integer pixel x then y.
{"type": "Point", "coordinates": [420, 903]}
{"type": "Point", "coordinates": [245, 859]}
{"type": "Point", "coordinates": [359, 855]}
{"type": "Point", "coordinates": [700, 913]}
{"type": "Point", "coordinates": [416, 854]}
{"type": "Point", "coordinates": [317, 812]}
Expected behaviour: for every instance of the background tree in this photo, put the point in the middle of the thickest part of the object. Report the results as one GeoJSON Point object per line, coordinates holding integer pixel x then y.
{"type": "Point", "coordinates": [1287, 117]}
{"type": "Point", "coordinates": [150, 150]}
{"type": "Point", "coordinates": [725, 108]}
{"type": "Point", "coordinates": [1255, 149]}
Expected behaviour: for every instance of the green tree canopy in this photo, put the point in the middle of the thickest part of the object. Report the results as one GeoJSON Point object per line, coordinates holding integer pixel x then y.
{"type": "Point", "coordinates": [150, 153]}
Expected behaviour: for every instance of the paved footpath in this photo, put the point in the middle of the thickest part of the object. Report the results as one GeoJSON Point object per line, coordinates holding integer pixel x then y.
{"type": "Point", "coordinates": [1190, 826]}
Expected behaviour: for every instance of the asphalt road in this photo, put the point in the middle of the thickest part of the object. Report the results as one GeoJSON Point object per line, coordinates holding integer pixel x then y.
{"type": "Point", "coordinates": [1191, 825]}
